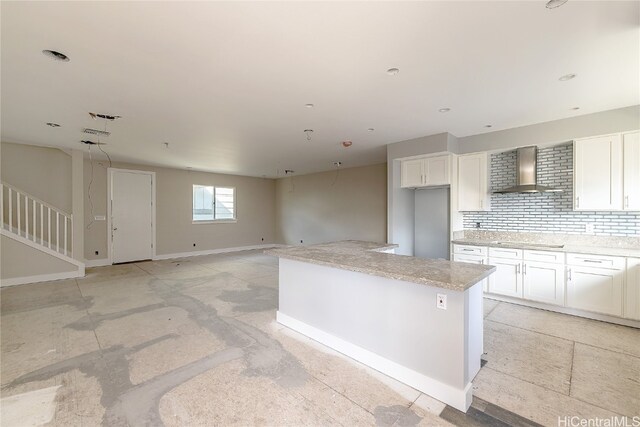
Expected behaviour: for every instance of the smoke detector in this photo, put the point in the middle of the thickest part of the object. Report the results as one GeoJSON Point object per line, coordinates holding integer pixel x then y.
{"type": "Point", "coordinates": [96, 132]}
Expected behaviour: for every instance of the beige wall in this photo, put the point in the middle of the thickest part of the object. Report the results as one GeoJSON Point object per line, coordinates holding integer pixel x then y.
{"type": "Point", "coordinates": [323, 207]}
{"type": "Point", "coordinates": [20, 260]}
{"type": "Point", "coordinates": [40, 171]}
{"type": "Point", "coordinates": [174, 231]}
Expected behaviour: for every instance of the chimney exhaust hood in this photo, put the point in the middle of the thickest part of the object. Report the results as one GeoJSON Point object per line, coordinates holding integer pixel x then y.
{"type": "Point", "coordinates": [527, 174]}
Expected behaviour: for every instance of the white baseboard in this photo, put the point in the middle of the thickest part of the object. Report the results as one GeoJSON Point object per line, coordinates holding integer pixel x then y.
{"type": "Point", "coordinates": [214, 251]}
{"type": "Point", "coordinates": [41, 278]}
{"type": "Point", "coordinates": [566, 310]}
{"type": "Point", "coordinates": [100, 262]}
{"type": "Point", "coordinates": [458, 398]}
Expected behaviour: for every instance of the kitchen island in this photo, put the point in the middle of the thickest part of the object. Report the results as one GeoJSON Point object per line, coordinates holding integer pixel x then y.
{"type": "Point", "coordinates": [381, 309]}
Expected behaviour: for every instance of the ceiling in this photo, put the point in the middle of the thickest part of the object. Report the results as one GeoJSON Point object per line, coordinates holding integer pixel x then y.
{"type": "Point", "coordinates": [226, 83]}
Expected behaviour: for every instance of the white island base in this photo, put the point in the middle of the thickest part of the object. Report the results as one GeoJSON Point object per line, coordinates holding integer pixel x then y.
{"type": "Point", "coordinates": [390, 325]}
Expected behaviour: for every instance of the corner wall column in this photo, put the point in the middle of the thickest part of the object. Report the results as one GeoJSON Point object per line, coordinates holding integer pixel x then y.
{"type": "Point", "coordinates": [77, 203]}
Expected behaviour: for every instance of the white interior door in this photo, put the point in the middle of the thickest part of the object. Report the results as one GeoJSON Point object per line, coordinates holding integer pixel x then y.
{"type": "Point", "coordinates": [131, 215]}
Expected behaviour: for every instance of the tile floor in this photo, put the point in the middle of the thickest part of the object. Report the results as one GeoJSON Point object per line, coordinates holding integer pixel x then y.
{"type": "Point", "coordinates": [193, 342]}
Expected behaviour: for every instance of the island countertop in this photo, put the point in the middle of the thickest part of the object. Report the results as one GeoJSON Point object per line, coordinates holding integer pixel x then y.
{"type": "Point", "coordinates": [368, 258]}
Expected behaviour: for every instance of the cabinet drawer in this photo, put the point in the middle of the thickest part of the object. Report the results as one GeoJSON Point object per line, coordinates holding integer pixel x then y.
{"type": "Point", "coordinates": [505, 253]}
{"type": "Point", "coordinates": [544, 256]}
{"type": "Point", "coordinates": [596, 261]}
{"type": "Point", "coordinates": [470, 250]}
{"type": "Point", "coordinates": [474, 259]}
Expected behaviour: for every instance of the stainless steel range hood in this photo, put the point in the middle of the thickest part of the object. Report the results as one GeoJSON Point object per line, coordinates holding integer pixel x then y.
{"type": "Point", "coordinates": [527, 174]}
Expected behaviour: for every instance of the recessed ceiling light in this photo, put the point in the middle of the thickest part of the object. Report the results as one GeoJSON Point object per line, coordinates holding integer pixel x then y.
{"type": "Point", "coordinates": [370, 129]}
{"type": "Point", "coordinates": [347, 144]}
{"type": "Point", "coordinates": [575, 108]}
{"type": "Point", "coordinates": [488, 126]}
{"type": "Point", "coordinates": [56, 55]}
{"type": "Point", "coordinates": [393, 71]}
{"type": "Point", "coordinates": [567, 77]}
{"type": "Point", "coordinates": [53, 125]}
{"type": "Point", "coordinates": [552, 4]}
{"type": "Point", "coordinates": [309, 105]}
{"type": "Point", "coordinates": [444, 110]}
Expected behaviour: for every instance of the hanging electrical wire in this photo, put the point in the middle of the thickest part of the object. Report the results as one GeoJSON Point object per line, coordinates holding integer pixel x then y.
{"type": "Point", "coordinates": [89, 190]}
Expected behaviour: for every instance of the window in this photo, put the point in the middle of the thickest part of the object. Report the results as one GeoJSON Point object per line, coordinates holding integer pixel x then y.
{"type": "Point", "coordinates": [213, 203]}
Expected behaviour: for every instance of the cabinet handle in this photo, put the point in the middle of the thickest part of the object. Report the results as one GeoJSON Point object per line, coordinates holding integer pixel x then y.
{"type": "Point", "coordinates": [568, 275]}
{"type": "Point", "coordinates": [481, 204]}
{"type": "Point", "coordinates": [467, 250]}
{"type": "Point", "coordinates": [577, 201]}
{"type": "Point", "coordinates": [524, 268]}
{"type": "Point", "coordinates": [518, 268]}
{"type": "Point", "coordinates": [592, 260]}
{"type": "Point", "coordinates": [626, 201]}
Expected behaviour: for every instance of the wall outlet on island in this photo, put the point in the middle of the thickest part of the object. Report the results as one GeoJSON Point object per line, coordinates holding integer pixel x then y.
{"type": "Point", "coordinates": [590, 228]}
{"type": "Point", "coordinates": [441, 301]}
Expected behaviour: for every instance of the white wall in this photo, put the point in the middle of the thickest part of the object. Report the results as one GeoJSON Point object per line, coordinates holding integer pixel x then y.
{"type": "Point", "coordinates": [554, 132]}
{"type": "Point", "coordinates": [331, 206]}
{"type": "Point", "coordinates": [175, 232]}
{"type": "Point", "coordinates": [40, 171]}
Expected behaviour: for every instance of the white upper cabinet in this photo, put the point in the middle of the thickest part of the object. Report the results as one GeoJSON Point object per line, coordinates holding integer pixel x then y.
{"type": "Point", "coordinates": [631, 154]}
{"type": "Point", "coordinates": [598, 173]}
{"type": "Point", "coordinates": [437, 170]}
{"type": "Point", "coordinates": [473, 194]}
{"type": "Point", "coordinates": [426, 172]}
{"type": "Point", "coordinates": [412, 173]}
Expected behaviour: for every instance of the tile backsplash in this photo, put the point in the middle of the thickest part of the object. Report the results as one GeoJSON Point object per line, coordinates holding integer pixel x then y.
{"type": "Point", "coordinates": [545, 212]}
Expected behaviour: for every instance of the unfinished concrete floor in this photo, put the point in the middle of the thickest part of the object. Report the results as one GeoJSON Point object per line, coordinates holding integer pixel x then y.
{"type": "Point", "coordinates": [193, 342]}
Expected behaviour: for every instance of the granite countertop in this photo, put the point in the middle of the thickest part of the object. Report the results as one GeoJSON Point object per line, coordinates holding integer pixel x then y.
{"type": "Point", "coordinates": [367, 258]}
{"type": "Point", "coordinates": [569, 248]}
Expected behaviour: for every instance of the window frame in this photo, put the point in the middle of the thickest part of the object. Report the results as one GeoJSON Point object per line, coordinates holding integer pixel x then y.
{"type": "Point", "coordinates": [215, 221]}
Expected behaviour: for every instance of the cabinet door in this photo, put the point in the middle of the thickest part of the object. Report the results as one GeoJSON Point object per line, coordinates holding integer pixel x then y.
{"type": "Point", "coordinates": [507, 279]}
{"type": "Point", "coordinates": [472, 182]}
{"type": "Point", "coordinates": [412, 173]}
{"type": "Point", "coordinates": [595, 289]}
{"type": "Point", "coordinates": [437, 170]}
{"type": "Point", "coordinates": [598, 173]}
{"type": "Point", "coordinates": [473, 259]}
{"type": "Point", "coordinates": [632, 289]}
{"type": "Point", "coordinates": [543, 282]}
{"type": "Point", "coordinates": [631, 148]}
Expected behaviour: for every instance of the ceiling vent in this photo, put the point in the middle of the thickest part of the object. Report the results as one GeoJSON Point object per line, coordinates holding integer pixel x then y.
{"type": "Point", "coordinates": [96, 132]}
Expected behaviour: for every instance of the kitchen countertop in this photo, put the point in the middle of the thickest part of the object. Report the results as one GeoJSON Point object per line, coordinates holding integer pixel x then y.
{"type": "Point", "coordinates": [578, 249]}
{"type": "Point", "coordinates": [367, 258]}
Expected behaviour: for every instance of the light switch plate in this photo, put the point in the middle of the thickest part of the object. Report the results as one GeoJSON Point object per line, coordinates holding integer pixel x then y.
{"type": "Point", "coordinates": [99, 218]}
{"type": "Point", "coordinates": [441, 301]}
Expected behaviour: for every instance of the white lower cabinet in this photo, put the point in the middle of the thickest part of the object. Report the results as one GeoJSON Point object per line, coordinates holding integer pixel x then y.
{"type": "Point", "coordinates": [595, 289]}
{"type": "Point", "coordinates": [507, 279]}
{"type": "Point", "coordinates": [632, 290]}
{"type": "Point", "coordinates": [543, 282]}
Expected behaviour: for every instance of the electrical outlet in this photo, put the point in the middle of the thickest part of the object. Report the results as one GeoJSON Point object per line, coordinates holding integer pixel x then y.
{"type": "Point", "coordinates": [590, 228]}
{"type": "Point", "coordinates": [441, 301]}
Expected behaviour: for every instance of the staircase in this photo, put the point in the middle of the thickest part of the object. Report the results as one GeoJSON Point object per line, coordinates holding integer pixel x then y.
{"type": "Point", "coordinates": [35, 223]}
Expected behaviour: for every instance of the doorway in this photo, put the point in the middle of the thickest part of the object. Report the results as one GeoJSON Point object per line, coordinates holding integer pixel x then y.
{"type": "Point", "coordinates": [131, 220]}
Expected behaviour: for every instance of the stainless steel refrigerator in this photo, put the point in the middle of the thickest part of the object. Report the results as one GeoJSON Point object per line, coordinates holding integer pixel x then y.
{"type": "Point", "coordinates": [432, 223]}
